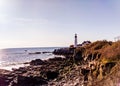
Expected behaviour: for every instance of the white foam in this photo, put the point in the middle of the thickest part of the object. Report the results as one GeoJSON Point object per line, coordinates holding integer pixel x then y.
{"type": "Point", "coordinates": [13, 66]}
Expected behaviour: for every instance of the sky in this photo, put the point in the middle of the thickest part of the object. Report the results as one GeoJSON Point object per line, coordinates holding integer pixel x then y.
{"type": "Point", "coordinates": [49, 23]}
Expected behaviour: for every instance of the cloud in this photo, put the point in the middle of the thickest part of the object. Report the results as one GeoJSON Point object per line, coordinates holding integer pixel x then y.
{"type": "Point", "coordinates": [31, 20]}
{"type": "Point", "coordinates": [6, 20]}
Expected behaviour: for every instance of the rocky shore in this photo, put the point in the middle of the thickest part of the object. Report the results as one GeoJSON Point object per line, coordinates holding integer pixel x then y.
{"type": "Point", "coordinates": [97, 64]}
{"type": "Point", "coordinates": [52, 72]}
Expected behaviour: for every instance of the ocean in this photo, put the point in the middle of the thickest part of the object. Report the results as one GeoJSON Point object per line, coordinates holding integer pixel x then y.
{"type": "Point", "coordinates": [16, 57]}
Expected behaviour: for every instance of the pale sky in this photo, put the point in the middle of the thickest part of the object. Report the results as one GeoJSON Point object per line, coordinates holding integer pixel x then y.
{"type": "Point", "coordinates": [48, 23]}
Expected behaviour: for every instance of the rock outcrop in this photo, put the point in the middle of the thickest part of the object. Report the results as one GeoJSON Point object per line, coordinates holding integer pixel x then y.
{"type": "Point", "coordinates": [89, 65]}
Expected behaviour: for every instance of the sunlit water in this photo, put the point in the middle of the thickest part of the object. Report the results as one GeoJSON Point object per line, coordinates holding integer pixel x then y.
{"type": "Point", "coordinates": [15, 57]}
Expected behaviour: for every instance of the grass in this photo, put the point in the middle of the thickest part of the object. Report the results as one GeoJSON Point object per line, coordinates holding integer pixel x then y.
{"type": "Point", "coordinates": [106, 54]}
{"type": "Point", "coordinates": [108, 51]}
{"type": "Point", "coordinates": [112, 53]}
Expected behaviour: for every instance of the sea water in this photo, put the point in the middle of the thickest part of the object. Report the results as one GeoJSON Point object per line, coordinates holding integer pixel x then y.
{"type": "Point", "coordinates": [16, 57]}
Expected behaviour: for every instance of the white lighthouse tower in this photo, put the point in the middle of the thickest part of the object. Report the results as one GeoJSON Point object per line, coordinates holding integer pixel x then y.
{"type": "Point", "coordinates": [75, 44]}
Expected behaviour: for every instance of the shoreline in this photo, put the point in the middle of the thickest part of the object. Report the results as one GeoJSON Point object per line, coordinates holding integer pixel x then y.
{"type": "Point", "coordinates": [9, 67]}
{"type": "Point", "coordinates": [33, 70]}
{"type": "Point", "coordinates": [86, 67]}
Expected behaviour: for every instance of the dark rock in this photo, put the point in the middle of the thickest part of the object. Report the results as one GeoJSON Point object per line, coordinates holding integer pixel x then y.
{"type": "Point", "coordinates": [108, 66]}
{"type": "Point", "coordinates": [78, 56]}
{"type": "Point", "coordinates": [37, 62]}
{"type": "Point", "coordinates": [21, 70]}
{"type": "Point", "coordinates": [85, 71]}
{"type": "Point", "coordinates": [3, 81]}
{"type": "Point", "coordinates": [63, 51]}
{"type": "Point", "coordinates": [94, 56]}
{"type": "Point", "coordinates": [89, 57]}
{"type": "Point", "coordinates": [56, 59]}
{"type": "Point", "coordinates": [35, 53]}
{"type": "Point", "coordinates": [52, 75]}
{"type": "Point", "coordinates": [46, 52]}
{"type": "Point", "coordinates": [28, 81]}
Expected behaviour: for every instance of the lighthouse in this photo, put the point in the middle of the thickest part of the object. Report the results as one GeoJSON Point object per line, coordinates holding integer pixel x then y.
{"type": "Point", "coordinates": [75, 44]}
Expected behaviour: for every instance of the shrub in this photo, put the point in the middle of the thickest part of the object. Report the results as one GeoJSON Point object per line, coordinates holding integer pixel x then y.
{"type": "Point", "coordinates": [112, 52]}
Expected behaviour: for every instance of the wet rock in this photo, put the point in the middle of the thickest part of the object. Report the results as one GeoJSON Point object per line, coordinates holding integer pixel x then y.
{"type": "Point", "coordinates": [37, 62]}
{"type": "Point", "coordinates": [46, 52]}
{"type": "Point", "coordinates": [21, 70]}
{"type": "Point", "coordinates": [56, 59]}
{"type": "Point", "coordinates": [35, 53]}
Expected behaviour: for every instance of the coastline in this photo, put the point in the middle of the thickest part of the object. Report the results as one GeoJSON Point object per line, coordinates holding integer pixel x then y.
{"type": "Point", "coordinates": [86, 67]}
{"type": "Point", "coordinates": [16, 57]}
{"type": "Point", "coordinates": [9, 67]}
{"type": "Point", "coordinates": [36, 70]}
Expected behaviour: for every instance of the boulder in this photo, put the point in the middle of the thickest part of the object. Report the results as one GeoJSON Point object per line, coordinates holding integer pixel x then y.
{"type": "Point", "coordinates": [37, 62]}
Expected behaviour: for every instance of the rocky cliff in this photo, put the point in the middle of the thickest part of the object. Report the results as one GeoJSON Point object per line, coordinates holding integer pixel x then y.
{"type": "Point", "coordinates": [96, 64]}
